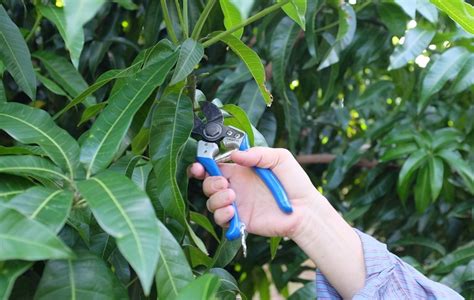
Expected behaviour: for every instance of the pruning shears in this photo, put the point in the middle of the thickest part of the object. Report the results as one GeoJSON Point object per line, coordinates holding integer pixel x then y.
{"type": "Point", "coordinates": [210, 134]}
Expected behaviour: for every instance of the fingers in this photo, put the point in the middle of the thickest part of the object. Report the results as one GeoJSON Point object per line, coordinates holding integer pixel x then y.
{"type": "Point", "coordinates": [261, 157]}
{"type": "Point", "coordinates": [223, 215]}
{"type": "Point", "coordinates": [220, 199]}
{"type": "Point", "coordinates": [196, 170]}
{"type": "Point", "coordinates": [213, 184]}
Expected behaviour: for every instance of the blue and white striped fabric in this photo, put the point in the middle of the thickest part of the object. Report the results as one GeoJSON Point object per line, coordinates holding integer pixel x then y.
{"type": "Point", "coordinates": [387, 277]}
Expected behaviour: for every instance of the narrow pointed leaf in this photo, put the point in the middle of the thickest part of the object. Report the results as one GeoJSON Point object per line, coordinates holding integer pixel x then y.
{"type": "Point", "coordinates": [409, 6]}
{"type": "Point", "coordinates": [106, 134]}
{"type": "Point", "coordinates": [252, 102]}
{"type": "Point", "coordinates": [445, 68]}
{"type": "Point", "coordinates": [421, 241]}
{"type": "Point", "coordinates": [25, 239]}
{"type": "Point", "coordinates": [436, 174]}
{"type": "Point", "coordinates": [3, 96]}
{"type": "Point", "coordinates": [459, 10]}
{"type": "Point", "coordinates": [422, 189]}
{"type": "Point", "coordinates": [203, 288]}
{"type": "Point", "coordinates": [296, 10]}
{"type": "Point", "coordinates": [87, 277]}
{"type": "Point", "coordinates": [460, 256]}
{"type": "Point", "coordinates": [455, 161]}
{"type": "Point", "coordinates": [190, 54]}
{"type": "Point", "coordinates": [409, 167]}
{"type": "Point", "coordinates": [51, 85]}
{"type": "Point", "coordinates": [125, 212]}
{"type": "Point", "coordinates": [47, 206]}
{"type": "Point", "coordinates": [11, 270]}
{"type": "Point", "coordinates": [16, 56]}
{"type": "Point", "coordinates": [232, 16]}
{"type": "Point", "coordinates": [204, 222]}
{"type": "Point", "coordinates": [34, 126]}
{"type": "Point", "coordinates": [399, 151]}
{"type": "Point", "coordinates": [253, 63]}
{"type": "Point", "coordinates": [171, 126]}
{"type": "Point", "coordinates": [416, 40]}
{"type": "Point", "coordinates": [27, 165]}
{"type": "Point", "coordinates": [10, 186]}
{"type": "Point", "coordinates": [173, 271]}
{"type": "Point", "coordinates": [427, 10]}
{"type": "Point", "coordinates": [465, 78]}
{"type": "Point", "coordinates": [75, 43]}
{"type": "Point", "coordinates": [240, 120]}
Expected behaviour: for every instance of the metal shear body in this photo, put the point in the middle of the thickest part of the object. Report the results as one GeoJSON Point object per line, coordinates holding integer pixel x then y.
{"type": "Point", "coordinates": [213, 132]}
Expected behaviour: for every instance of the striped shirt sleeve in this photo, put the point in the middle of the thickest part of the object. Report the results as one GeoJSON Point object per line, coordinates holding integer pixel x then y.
{"type": "Point", "coordinates": [387, 277]}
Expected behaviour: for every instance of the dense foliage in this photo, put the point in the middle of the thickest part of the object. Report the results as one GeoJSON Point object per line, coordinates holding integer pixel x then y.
{"type": "Point", "coordinates": [96, 108]}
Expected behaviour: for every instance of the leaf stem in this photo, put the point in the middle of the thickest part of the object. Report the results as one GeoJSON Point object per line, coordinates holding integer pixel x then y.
{"type": "Point", "coordinates": [202, 19]}
{"type": "Point", "coordinates": [180, 17]}
{"type": "Point", "coordinates": [185, 17]}
{"type": "Point", "coordinates": [250, 20]}
{"type": "Point", "coordinates": [39, 16]}
{"type": "Point", "coordinates": [168, 23]}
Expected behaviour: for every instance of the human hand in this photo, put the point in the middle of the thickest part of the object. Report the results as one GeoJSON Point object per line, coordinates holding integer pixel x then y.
{"type": "Point", "coordinates": [255, 203]}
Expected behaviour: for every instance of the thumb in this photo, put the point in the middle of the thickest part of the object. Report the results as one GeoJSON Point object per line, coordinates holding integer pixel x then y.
{"type": "Point", "coordinates": [262, 157]}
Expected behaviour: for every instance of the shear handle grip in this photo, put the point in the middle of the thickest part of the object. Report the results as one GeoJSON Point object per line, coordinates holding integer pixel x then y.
{"type": "Point", "coordinates": [271, 181]}
{"type": "Point", "coordinates": [233, 232]}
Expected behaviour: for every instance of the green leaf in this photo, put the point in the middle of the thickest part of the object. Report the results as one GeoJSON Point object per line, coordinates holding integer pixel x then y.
{"type": "Point", "coordinates": [45, 205]}
{"type": "Point", "coordinates": [204, 222]}
{"type": "Point", "coordinates": [422, 189]}
{"type": "Point", "coordinates": [10, 186]}
{"type": "Point", "coordinates": [64, 73]}
{"type": "Point", "coordinates": [126, 213]}
{"type": "Point", "coordinates": [399, 151]}
{"type": "Point", "coordinates": [11, 270]}
{"type": "Point", "coordinates": [232, 16]}
{"type": "Point", "coordinates": [76, 14]}
{"type": "Point", "coordinates": [226, 251]}
{"type": "Point", "coordinates": [465, 78]}
{"type": "Point", "coordinates": [274, 244]}
{"type": "Point", "coordinates": [51, 85]}
{"type": "Point", "coordinates": [171, 126]}
{"type": "Point", "coordinates": [416, 40]}
{"type": "Point", "coordinates": [16, 56]}
{"type": "Point", "coordinates": [458, 10]}
{"type": "Point", "coordinates": [436, 174]}
{"type": "Point", "coordinates": [25, 239]}
{"type": "Point", "coordinates": [459, 276]}
{"type": "Point", "coordinates": [240, 120]}
{"type": "Point", "coordinates": [446, 137]}
{"type": "Point", "coordinates": [455, 161]}
{"type": "Point", "coordinates": [253, 63]}
{"type": "Point", "coordinates": [444, 68]}
{"type": "Point", "coordinates": [91, 112]}
{"type": "Point", "coordinates": [34, 126]}
{"type": "Point", "coordinates": [393, 17]}
{"type": "Point", "coordinates": [203, 288]}
{"type": "Point", "coordinates": [196, 257]}
{"type": "Point", "coordinates": [151, 24]}
{"type": "Point", "coordinates": [308, 291]}
{"type": "Point", "coordinates": [228, 284]}
{"type": "Point", "coordinates": [420, 241]}
{"type": "Point", "coordinates": [74, 44]}
{"type": "Point", "coordinates": [408, 6]}
{"type": "Point", "coordinates": [105, 136]}
{"type": "Point", "coordinates": [409, 167]}
{"type": "Point", "coordinates": [127, 4]}
{"type": "Point", "coordinates": [427, 10]}
{"type": "Point", "coordinates": [173, 271]}
{"type": "Point", "coordinates": [345, 35]}
{"type": "Point", "coordinates": [296, 10]}
{"type": "Point", "coordinates": [460, 256]}
{"type": "Point", "coordinates": [190, 54]}
{"type": "Point", "coordinates": [3, 96]}
{"type": "Point", "coordinates": [27, 165]}
{"type": "Point", "coordinates": [87, 277]}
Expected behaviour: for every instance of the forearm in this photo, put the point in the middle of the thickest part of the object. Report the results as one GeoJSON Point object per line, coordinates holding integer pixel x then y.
{"type": "Point", "coordinates": [333, 245]}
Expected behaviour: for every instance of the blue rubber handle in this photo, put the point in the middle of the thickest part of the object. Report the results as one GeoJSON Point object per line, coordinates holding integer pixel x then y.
{"type": "Point", "coordinates": [271, 181]}
{"type": "Point", "coordinates": [233, 232]}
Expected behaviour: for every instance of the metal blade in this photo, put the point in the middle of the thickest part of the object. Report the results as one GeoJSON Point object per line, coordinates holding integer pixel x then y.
{"type": "Point", "coordinates": [212, 113]}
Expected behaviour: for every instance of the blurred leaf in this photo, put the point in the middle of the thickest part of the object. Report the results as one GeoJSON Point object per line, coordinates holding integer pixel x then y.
{"type": "Point", "coordinates": [126, 213]}
{"type": "Point", "coordinates": [399, 151]}
{"type": "Point", "coordinates": [34, 126]}
{"type": "Point", "coordinates": [51, 85]}
{"type": "Point", "coordinates": [409, 6]}
{"type": "Point", "coordinates": [455, 161]}
{"type": "Point", "coordinates": [465, 78]}
{"type": "Point", "coordinates": [232, 16]}
{"type": "Point", "coordinates": [445, 68]}
{"type": "Point", "coordinates": [204, 222]}
{"type": "Point", "coordinates": [422, 189]}
{"type": "Point", "coordinates": [16, 56]}
{"type": "Point", "coordinates": [420, 241]}
{"type": "Point", "coordinates": [203, 288]}
{"type": "Point", "coordinates": [416, 40]}
{"type": "Point", "coordinates": [104, 137]}
{"type": "Point", "coordinates": [75, 43]}
{"type": "Point", "coordinates": [460, 11]}
{"type": "Point", "coordinates": [11, 270]}
{"type": "Point", "coordinates": [76, 14]}
{"type": "Point", "coordinates": [459, 276]}
{"type": "Point", "coordinates": [197, 257]}
{"type": "Point", "coordinates": [28, 165]}
{"type": "Point", "coordinates": [127, 4]}
{"type": "Point", "coordinates": [47, 206]}
{"type": "Point", "coordinates": [91, 111]}
{"type": "Point", "coordinates": [151, 25]}
{"type": "Point", "coordinates": [436, 174]}
{"type": "Point", "coordinates": [252, 102]}
{"type": "Point", "coordinates": [173, 271]}
{"type": "Point", "coordinates": [310, 34]}
{"type": "Point", "coordinates": [228, 285]}
{"type": "Point", "coordinates": [26, 239]}
{"type": "Point", "coordinates": [308, 291]}
{"type": "Point", "coordinates": [427, 10]}
{"type": "Point", "coordinates": [393, 17]}
{"type": "Point", "coordinates": [166, 143]}
{"type": "Point", "coordinates": [79, 279]}
{"type": "Point", "coordinates": [253, 63]}
{"type": "Point", "coordinates": [413, 162]}
{"type": "Point", "coordinates": [296, 10]}
{"type": "Point", "coordinates": [461, 255]}
{"type": "Point", "coordinates": [240, 120]}
{"type": "Point", "coordinates": [3, 96]}
{"type": "Point", "coordinates": [190, 54]}
{"type": "Point", "coordinates": [226, 251]}
{"type": "Point", "coordinates": [446, 137]}
{"type": "Point", "coordinates": [268, 127]}
{"type": "Point", "coordinates": [274, 244]}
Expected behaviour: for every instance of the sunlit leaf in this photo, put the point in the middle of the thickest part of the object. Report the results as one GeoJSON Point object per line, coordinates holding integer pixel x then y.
{"type": "Point", "coordinates": [296, 10]}
{"type": "Point", "coordinates": [460, 11]}
{"type": "Point", "coordinates": [232, 16]}
{"type": "Point", "coordinates": [240, 120]}
{"type": "Point", "coordinates": [408, 6]}
{"type": "Point", "coordinates": [190, 54]}
{"type": "Point", "coordinates": [416, 40]}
